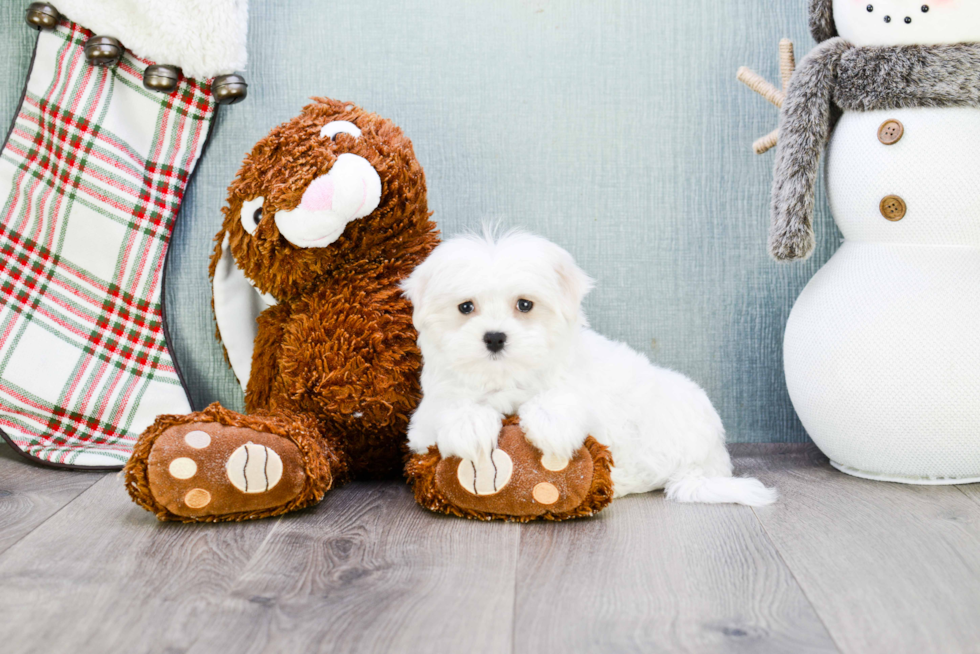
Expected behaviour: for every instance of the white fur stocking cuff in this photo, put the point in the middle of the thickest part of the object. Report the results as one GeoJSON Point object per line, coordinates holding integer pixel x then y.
{"type": "Point", "coordinates": [204, 38]}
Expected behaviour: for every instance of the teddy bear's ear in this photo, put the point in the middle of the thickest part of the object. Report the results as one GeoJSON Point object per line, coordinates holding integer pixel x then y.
{"type": "Point", "coordinates": [325, 108]}
{"type": "Point", "coordinates": [822, 25]}
{"type": "Point", "coordinates": [237, 305]}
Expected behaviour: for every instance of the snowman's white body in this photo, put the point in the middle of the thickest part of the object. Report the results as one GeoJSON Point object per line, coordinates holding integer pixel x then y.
{"type": "Point", "coordinates": [882, 349]}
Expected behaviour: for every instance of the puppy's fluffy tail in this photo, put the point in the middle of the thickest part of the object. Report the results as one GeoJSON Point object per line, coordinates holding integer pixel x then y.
{"type": "Point", "coordinates": [720, 490]}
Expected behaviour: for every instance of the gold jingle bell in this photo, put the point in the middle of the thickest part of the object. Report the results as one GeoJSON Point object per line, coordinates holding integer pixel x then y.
{"type": "Point", "coordinates": [103, 51]}
{"type": "Point", "coordinates": [42, 16]}
{"type": "Point", "coordinates": [229, 89]}
{"type": "Point", "coordinates": [161, 78]}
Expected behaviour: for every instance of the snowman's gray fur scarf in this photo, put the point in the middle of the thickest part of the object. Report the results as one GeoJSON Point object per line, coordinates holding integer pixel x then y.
{"type": "Point", "coordinates": [837, 76]}
{"type": "Point", "coordinates": [822, 24]}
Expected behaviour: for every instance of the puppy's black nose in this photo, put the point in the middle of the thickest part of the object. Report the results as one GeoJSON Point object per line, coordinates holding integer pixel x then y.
{"type": "Point", "coordinates": [495, 341]}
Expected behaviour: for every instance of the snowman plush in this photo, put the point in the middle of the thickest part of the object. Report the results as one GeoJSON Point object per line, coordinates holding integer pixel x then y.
{"type": "Point", "coordinates": [882, 349]}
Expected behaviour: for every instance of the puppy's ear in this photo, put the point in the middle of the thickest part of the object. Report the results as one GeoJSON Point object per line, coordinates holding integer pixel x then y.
{"type": "Point", "coordinates": [413, 286]}
{"type": "Point", "coordinates": [573, 283]}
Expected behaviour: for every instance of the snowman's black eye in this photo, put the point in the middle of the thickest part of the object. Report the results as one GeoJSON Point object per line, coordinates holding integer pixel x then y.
{"type": "Point", "coordinates": [257, 215]}
{"type": "Point", "coordinates": [466, 307]}
{"type": "Point", "coordinates": [871, 8]}
{"type": "Point", "coordinates": [888, 19]}
{"type": "Point", "coordinates": [925, 9]}
{"type": "Point", "coordinates": [908, 19]}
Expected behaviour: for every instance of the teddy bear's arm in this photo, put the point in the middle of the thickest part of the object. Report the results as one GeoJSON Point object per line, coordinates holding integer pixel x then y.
{"type": "Point", "coordinates": [265, 356]}
{"type": "Point", "coordinates": [349, 355]}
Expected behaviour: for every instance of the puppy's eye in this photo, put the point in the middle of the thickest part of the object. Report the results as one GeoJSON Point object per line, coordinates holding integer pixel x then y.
{"type": "Point", "coordinates": [466, 307]}
{"type": "Point", "coordinates": [524, 305]}
{"type": "Point", "coordinates": [252, 214]}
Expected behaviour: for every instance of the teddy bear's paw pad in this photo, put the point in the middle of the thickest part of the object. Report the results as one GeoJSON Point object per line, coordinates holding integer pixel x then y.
{"type": "Point", "coordinates": [545, 493]}
{"type": "Point", "coordinates": [486, 476]}
{"type": "Point", "coordinates": [516, 480]}
{"type": "Point", "coordinates": [254, 468]}
{"type": "Point", "coordinates": [210, 469]}
{"type": "Point", "coordinates": [554, 463]}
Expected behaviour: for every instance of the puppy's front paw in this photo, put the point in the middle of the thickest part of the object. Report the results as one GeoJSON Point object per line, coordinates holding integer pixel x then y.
{"type": "Point", "coordinates": [469, 432]}
{"type": "Point", "coordinates": [558, 431]}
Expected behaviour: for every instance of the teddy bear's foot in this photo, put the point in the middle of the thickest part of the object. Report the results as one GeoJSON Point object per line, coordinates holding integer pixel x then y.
{"type": "Point", "coordinates": [209, 469]}
{"type": "Point", "coordinates": [220, 465]}
{"type": "Point", "coordinates": [515, 482]}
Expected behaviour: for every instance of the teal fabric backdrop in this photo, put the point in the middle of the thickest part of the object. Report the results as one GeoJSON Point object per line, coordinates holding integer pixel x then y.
{"type": "Point", "coordinates": [614, 127]}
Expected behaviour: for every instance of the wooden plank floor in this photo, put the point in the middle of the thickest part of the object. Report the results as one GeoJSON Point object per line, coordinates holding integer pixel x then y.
{"type": "Point", "coordinates": [837, 565]}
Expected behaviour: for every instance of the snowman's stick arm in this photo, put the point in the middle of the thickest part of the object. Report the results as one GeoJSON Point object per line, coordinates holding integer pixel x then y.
{"type": "Point", "coordinates": [787, 62]}
{"type": "Point", "coordinates": [755, 82]}
{"type": "Point", "coordinates": [787, 66]}
{"type": "Point", "coordinates": [767, 142]}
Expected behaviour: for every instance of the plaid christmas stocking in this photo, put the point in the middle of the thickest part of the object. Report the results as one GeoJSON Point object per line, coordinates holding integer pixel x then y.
{"type": "Point", "coordinates": [91, 178]}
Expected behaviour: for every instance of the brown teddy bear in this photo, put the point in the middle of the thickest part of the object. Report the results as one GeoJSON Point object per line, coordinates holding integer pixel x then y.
{"type": "Point", "coordinates": [327, 216]}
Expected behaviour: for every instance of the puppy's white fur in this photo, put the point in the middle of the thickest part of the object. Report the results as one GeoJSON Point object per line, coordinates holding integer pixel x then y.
{"type": "Point", "coordinates": [562, 379]}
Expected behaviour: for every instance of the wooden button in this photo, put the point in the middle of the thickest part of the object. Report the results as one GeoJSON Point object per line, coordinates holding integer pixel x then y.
{"type": "Point", "coordinates": [891, 132]}
{"type": "Point", "coordinates": [892, 208]}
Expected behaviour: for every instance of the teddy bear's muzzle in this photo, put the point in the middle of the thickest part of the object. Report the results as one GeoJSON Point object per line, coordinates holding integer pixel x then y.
{"type": "Point", "coordinates": [351, 190]}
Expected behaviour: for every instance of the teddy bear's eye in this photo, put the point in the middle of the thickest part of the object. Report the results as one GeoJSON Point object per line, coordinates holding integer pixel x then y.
{"type": "Point", "coordinates": [925, 9]}
{"type": "Point", "coordinates": [871, 8]}
{"type": "Point", "coordinates": [524, 305]}
{"type": "Point", "coordinates": [466, 307]}
{"type": "Point", "coordinates": [252, 213]}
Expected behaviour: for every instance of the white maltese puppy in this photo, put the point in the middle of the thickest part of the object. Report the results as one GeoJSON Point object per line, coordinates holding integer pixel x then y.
{"type": "Point", "coordinates": [502, 332]}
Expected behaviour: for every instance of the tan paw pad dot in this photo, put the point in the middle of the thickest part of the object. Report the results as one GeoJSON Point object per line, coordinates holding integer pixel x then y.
{"type": "Point", "coordinates": [554, 463]}
{"type": "Point", "coordinates": [487, 476]}
{"type": "Point", "coordinates": [183, 468]}
{"type": "Point", "coordinates": [197, 498]}
{"type": "Point", "coordinates": [254, 468]}
{"type": "Point", "coordinates": [545, 493]}
{"type": "Point", "coordinates": [197, 439]}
